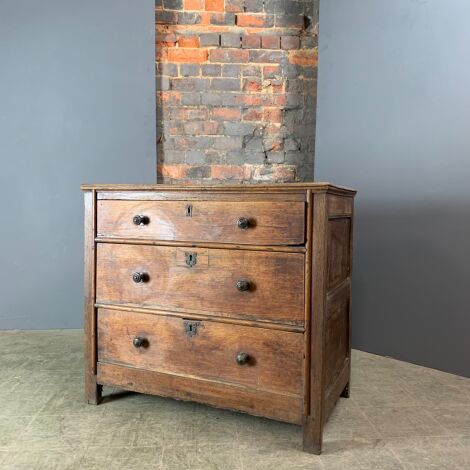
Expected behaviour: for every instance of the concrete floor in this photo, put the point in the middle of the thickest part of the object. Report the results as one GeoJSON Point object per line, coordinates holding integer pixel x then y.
{"type": "Point", "coordinates": [399, 416]}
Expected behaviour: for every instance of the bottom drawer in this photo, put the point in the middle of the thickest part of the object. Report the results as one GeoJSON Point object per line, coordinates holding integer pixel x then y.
{"type": "Point", "coordinates": [282, 407]}
{"type": "Point", "coordinates": [255, 357]}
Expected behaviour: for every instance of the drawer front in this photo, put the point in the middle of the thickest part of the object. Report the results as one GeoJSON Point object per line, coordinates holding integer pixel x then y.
{"type": "Point", "coordinates": [252, 223]}
{"type": "Point", "coordinates": [267, 359]}
{"type": "Point", "coordinates": [203, 280]}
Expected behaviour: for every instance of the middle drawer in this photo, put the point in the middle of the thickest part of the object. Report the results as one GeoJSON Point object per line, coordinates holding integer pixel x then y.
{"type": "Point", "coordinates": [232, 283]}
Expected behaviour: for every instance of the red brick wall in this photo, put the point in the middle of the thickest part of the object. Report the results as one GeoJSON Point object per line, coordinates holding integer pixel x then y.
{"type": "Point", "coordinates": [236, 89]}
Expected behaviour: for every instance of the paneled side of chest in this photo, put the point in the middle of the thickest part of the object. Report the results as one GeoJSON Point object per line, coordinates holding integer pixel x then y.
{"type": "Point", "coordinates": [238, 298]}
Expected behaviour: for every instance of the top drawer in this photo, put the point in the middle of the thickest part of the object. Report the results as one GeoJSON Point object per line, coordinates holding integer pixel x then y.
{"type": "Point", "coordinates": [250, 223]}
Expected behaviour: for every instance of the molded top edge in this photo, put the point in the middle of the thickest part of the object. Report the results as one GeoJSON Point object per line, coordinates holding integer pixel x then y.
{"type": "Point", "coordinates": [252, 187]}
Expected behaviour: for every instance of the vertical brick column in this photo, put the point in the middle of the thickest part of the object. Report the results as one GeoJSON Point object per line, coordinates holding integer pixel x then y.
{"type": "Point", "coordinates": [236, 90]}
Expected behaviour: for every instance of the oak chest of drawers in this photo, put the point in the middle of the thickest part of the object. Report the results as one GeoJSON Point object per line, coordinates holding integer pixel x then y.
{"type": "Point", "coordinates": [234, 296]}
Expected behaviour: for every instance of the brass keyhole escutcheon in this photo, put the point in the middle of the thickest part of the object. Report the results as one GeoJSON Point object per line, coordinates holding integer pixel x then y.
{"type": "Point", "coordinates": [190, 259]}
{"type": "Point", "coordinates": [190, 327]}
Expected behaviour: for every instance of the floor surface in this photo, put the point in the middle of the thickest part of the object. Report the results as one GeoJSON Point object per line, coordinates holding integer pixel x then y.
{"type": "Point", "coordinates": [399, 416]}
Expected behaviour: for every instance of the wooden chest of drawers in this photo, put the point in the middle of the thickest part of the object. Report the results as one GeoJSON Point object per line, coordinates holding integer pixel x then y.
{"type": "Point", "coordinates": [234, 296]}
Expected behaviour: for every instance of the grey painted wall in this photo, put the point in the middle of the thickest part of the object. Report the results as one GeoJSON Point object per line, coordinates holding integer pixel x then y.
{"type": "Point", "coordinates": [393, 122]}
{"type": "Point", "coordinates": [76, 104]}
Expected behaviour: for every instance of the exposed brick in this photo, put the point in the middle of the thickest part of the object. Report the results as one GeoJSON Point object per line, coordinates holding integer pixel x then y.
{"type": "Point", "coordinates": [261, 56]}
{"type": "Point", "coordinates": [271, 71]}
{"type": "Point", "coordinates": [188, 41]}
{"type": "Point", "coordinates": [236, 103]}
{"type": "Point", "coordinates": [309, 42]}
{"type": "Point", "coordinates": [172, 4]}
{"type": "Point", "coordinates": [251, 71]}
{"type": "Point", "coordinates": [253, 114]}
{"type": "Point", "coordinates": [230, 40]}
{"type": "Point", "coordinates": [167, 69]}
{"type": "Point", "coordinates": [188, 113]}
{"type": "Point", "coordinates": [201, 127]}
{"type": "Point", "coordinates": [285, 7]}
{"type": "Point", "coordinates": [193, 5]}
{"type": "Point", "coordinates": [290, 42]}
{"type": "Point", "coordinates": [275, 156]}
{"type": "Point", "coordinates": [227, 172]}
{"type": "Point", "coordinates": [194, 142]}
{"type": "Point", "coordinates": [253, 144]}
{"type": "Point", "coordinates": [161, 54]}
{"type": "Point", "coordinates": [272, 115]}
{"type": "Point", "coordinates": [252, 84]}
{"type": "Point", "coordinates": [274, 173]}
{"type": "Point", "coordinates": [239, 128]}
{"type": "Point", "coordinates": [214, 5]}
{"type": "Point", "coordinates": [251, 41]}
{"type": "Point", "coordinates": [190, 99]}
{"type": "Point", "coordinates": [294, 100]}
{"type": "Point", "coordinates": [175, 156]}
{"type": "Point", "coordinates": [166, 39]}
{"type": "Point", "coordinates": [242, 99]}
{"type": "Point", "coordinates": [234, 6]}
{"type": "Point", "coordinates": [295, 86]}
{"type": "Point", "coordinates": [279, 100]}
{"type": "Point", "coordinates": [212, 99]}
{"type": "Point", "coordinates": [189, 70]}
{"type": "Point", "coordinates": [187, 55]}
{"type": "Point", "coordinates": [173, 128]}
{"type": "Point", "coordinates": [289, 21]}
{"type": "Point", "coordinates": [228, 143]}
{"type": "Point", "coordinates": [304, 57]}
{"type": "Point", "coordinates": [226, 84]}
{"type": "Point", "coordinates": [259, 21]}
{"type": "Point", "coordinates": [197, 172]}
{"type": "Point", "coordinates": [190, 84]}
{"type": "Point", "coordinates": [226, 114]}
{"type": "Point", "coordinates": [231, 70]}
{"type": "Point", "coordinates": [173, 171]}
{"type": "Point", "coordinates": [209, 39]}
{"type": "Point", "coordinates": [229, 55]}
{"type": "Point", "coordinates": [211, 70]}
{"type": "Point", "coordinates": [169, 98]}
{"type": "Point", "coordinates": [166, 17]}
{"type": "Point", "coordinates": [163, 83]}
{"type": "Point", "coordinates": [291, 145]}
{"type": "Point", "coordinates": [254, 6]}
{"type": "Point", "coordinates": [270, 42]}
{"type": "Point", "coordinates": [222, 19]}
{"type": "Point", "coordinates": [195, 157]}
{"type": "Point", "coordinates": [188, 18]}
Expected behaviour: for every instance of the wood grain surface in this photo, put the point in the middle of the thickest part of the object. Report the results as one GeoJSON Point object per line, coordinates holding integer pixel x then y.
{"type": "Point", "coordinates": [276, 279]}
{"type": "Point", "coordinates": [271, 223]}
{"type": "Point", "coordinates": [209, 351]}
{"type": "Point", "coordinates": [229, 396]}
{"type": "Point", "coordinates": [293, 321]}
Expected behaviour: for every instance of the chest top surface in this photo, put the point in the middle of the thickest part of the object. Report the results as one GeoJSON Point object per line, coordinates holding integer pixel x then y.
{"type": "Point", "coordinates": [245, 188]}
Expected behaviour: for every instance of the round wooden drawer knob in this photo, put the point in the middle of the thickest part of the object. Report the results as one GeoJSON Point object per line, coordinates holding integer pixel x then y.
{"type": "Point", "coordinates": [243, 285]}
{"type": "Point", "coordinates": [139, 342]}
{"type": "Point", "coordinates": [140, 277]}
{"type": "Point", "coordinates": [242, 358]}
{"type": "Point", "coordinates": [243, 223]}
{"type": "Point", "coordinates": [140, 220]}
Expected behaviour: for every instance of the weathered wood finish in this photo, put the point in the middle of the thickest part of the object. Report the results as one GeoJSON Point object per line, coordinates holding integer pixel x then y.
{"type": "Point", "coordinates": [275, 357]}
{"type": "Point", "coordinates": [197, 221]}
{"type": "Point", "coordinates": [277, 406]}
{"type": "Point", "coordinates": [92, 388]}
{"type": "Point", "coordinates": [277, 291]}
{"type": "Point", "coordinates": [294, 323]}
